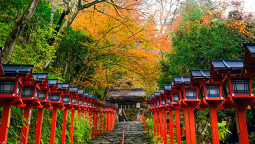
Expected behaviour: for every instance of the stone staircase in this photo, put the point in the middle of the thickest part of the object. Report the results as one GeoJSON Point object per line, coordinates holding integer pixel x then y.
{"type": "Point", "coordinates": [134, 134]}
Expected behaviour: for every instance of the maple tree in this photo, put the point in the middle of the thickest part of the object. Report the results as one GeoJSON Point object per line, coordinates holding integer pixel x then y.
{"type": "Point", "coordinates": [125, 47]}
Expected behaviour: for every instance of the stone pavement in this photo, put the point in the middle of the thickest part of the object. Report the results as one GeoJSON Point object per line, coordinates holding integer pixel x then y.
{"type": "Point", "coordinates": [134, 134]}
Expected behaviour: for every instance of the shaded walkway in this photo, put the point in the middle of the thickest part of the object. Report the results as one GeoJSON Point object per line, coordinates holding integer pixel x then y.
{"type": "Point", "coordinates": [134, 134]}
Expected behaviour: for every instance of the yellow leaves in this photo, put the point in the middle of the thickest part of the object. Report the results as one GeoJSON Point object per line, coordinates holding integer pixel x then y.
{"type": "Point", "coordinates": [126, 47]}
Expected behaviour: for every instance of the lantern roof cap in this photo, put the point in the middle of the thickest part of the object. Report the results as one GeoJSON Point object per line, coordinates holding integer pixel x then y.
{"type": "Point", "coordinates": [17, 69]}
{"type": "Point", "coordinates": [181, 79]}
{"type": "Point", "coordinates": [86, 94]}
{"type": "Point", "coordinates": [162, 91]}
{"type": "Point", "coordinates": [73, 89]}
{"type": "Point", "coordinates": [227, 64]}
{"type": "Point", "coordinates": [167, 87]}
{"type": "Point", "coordinates": [90, 95]}
{"type": "Point", "coordinates": [157, 94]}
{"type": "Point", "coordinates": [40, 76]}
{"type": "Point", "coordinates": [63, 86]}
{"type": "Point", "coordinates": [205, 73]}
{"type": "Point", "coordinates": [250, 47]}
{"type": "Point", "coordinates": [80, 91]}
{"type": "Point", "coordinates": [52, 82]}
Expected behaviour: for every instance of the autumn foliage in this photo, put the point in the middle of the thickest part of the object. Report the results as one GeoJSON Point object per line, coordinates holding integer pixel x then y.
{"type": "Point", "coordinates": [125, 49]}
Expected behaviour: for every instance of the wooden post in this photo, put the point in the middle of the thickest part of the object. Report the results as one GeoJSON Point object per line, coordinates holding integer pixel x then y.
{"type": "Point", "coordinates": [53, 125]}
{"type": "Point", "coordinates": [164, 127]}
{"type": "Point", "coordinates": [39, 122]}
{"type": "Point", "coordinates": [171, 126]}
{"type": "Point", "coordinates": [178, 128]}
{"type": "Point", "coordinates": [187, 126]}
{"type": "Point", "coordinates": [78, 115]}
{"type": "Point", "coordinates": [108, 122]}
{"type": "Point", "coordinates": [94, 121]}
{"type": "Point", "coordinates": [192, 126]}
{"type": "Point", "coordinates": [5, 122]}
{"type": "Point", "coordinates": [158, 124]}
{"type": "Point", "coordinates": [91, 123]}
{"type": "Point", "coordinates": [105, 122]}
{"type": "Point", "coordinates": [63, 139]}
{"type": "Point", "coordinates": [102, 123]}
{"type": "Point", "coordinates": [72, 126]}
{"type": "Point", "coordinates": [155, 124]}
{"type": "Point", "coordinates": [214, 122]}
{"type": "Point", "coordinates": [242, 125]}
{"type": "Point", "coordinates": [26, 123]}
{"type": "Point", "coordinates": [161, 125]}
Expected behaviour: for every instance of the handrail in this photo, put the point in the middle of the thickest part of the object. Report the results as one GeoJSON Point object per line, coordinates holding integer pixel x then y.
{"type": "Point", "coordinates": [123, 134]}
{"type": "Point", "coordinates": [146, 126]}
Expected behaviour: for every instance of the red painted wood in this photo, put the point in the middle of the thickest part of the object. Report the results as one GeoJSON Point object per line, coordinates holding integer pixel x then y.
{"type": "Point", "coordinates": [192, 126]}
{"type": "Point", "coordinates": [39, 126]}
{"type": "Point", "coordinates": [94, 123]}
{"type": "Point", "coordinates": [102, 123]}
{"type": "Point", "coordinates": [214, 122]}
{"type": "Point", "coordinates": [157, 124]}
{"type": "Point", "coordinates": [161, 125]}
{"type": "Point", "coordinates": [78, 115]}
{"type": "Point", "coordinates": [154, 121]}
{"type": "Point", "coordinates": [178, 128]}
{"type": "Point", "coordinates": [164, 127]}
{"type": "Point", "coordinates": [5, 121]}
{"type": "Point", "coordinates": [108, 124]}
{"type": "Point", "coordinates": [63, 138]}
{"type": "Point", "coordinates": [171, 126]}
{"type": "Point", "coordinates": [105, 122]}
{"type": "Point", "coordinates": [123, 134]}
{"type": "Point", "coordinates": [53, 125]}
{"type": "Point", "coordinates": [187, 126]}
{"type": "Point", "coordinates": [72, 126]}
{"type": "Point", "coordinates": [91, 125]}
{"type": "Point", "coordinates": [25, 127]}
{"type": "Point", "coordinates": [241, 122]}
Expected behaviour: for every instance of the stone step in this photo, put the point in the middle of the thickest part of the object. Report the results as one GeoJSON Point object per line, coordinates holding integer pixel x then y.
{"type": "Point", "coordinates": [134, 134]}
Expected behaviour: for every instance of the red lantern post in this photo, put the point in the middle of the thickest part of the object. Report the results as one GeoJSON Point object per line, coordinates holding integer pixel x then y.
{"type": "Point", "coordinates": [74, 96]}
{"type": "Point", "coordinates": [237, 88]}
{"type": "Point", "coordinates": [175, 97]}
{"type": "Point", "coordinates": [189, 100]}
{"type": "Point", "coordinates": [167, 93]}
{"type": "Point", "coordinates": [42, 79]}
{"type": "Point", "coordinates": [56, 102]}
{"type": "Point", "coordinates": [30, 96]}
{"type": "Point", "coordinates": [11, 84]}
{"type": "Point", "coordinates": [80, 103]}
{"type": "Point", "coordinates": [64, 87]}
{"type": "Point", "coordinates": [163, 109]}
{"type": "Point", "coordinates": [211, 97]}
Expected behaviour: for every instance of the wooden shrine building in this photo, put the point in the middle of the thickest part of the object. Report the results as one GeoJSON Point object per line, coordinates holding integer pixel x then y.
{"type": "Point", "coordinates": [128, 98]}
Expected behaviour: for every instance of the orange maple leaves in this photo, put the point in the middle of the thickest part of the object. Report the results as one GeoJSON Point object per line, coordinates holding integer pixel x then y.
{"type": "Point", "coordinates": [125, 45]}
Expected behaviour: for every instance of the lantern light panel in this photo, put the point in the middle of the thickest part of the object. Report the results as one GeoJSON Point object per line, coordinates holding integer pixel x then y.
{"type": "Point", "coordinates": [168, 100]}
{"type": "Point", "coordinates": [175, 98]}
{"type": "Point", "coordinates": [213, 90]}
{"type": "Point", "coordinates": [163, 102]}
{"type": "Point", "coordinates": [190, 93]}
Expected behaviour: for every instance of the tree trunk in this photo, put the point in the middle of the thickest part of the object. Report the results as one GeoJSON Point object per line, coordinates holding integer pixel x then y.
{"type": "Point", "coordinates": [75, 7]}
{"type": "Point", "coordinates": [19, 24]}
